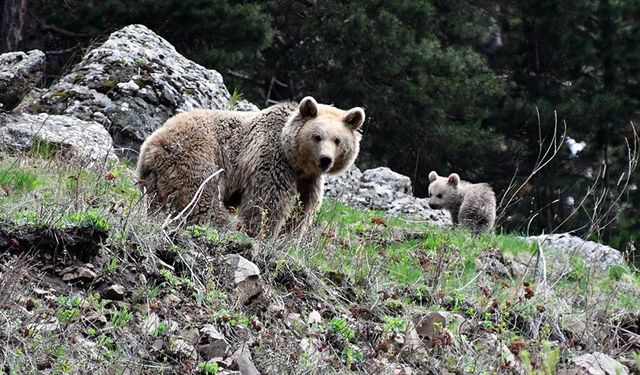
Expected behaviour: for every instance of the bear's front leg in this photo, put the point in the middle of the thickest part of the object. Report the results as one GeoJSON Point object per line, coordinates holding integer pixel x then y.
{"type": "Point", "coordinates": [311, 191]}
{"type": "Point", "coordinates": [265, 207]}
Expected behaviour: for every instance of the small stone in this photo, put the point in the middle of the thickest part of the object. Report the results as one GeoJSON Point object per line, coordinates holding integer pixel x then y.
{"type": "Point", "coordinates": [172, 300]}
{"type": "Point", "coordinates": [41, 292]}
{"type": "Point", "coordinates": [80, 273]}
{"type": "Point", "coordinates": [210, 332]}
{"type": "Point", "coordinates": [183, 349]}
{"type": "Point", "coordinates": [246, 276]}
{"type": "Point", "coordinates": [191, 335]}
{"type": "Point", "coordinates": [405, 370]}
{"type": "Point", "coordinates": [412, 340]}
{"type": "Point", "coordinates": [597, 363]}
{"type": "Point", "coordinates": [157, 345]}
{"type": "Point", "coordinates": [95, 318]}
{"type": "Point", "coordinates": [430, 325]}
{"type": "Point", "coordinates": [150, 323]}
{"type": "Point", "coordinates": [293, 320]}
{"type": "Point", "coordinates": [314, 317]}
{"type": "Point", "coordinates": [51, 326]}
{"type": "Point", "coordinates": [115, 292]}
{"type": "Point", "coordinates": [242, 359]}
{"type": "Point", "coordinates": [213, 350]}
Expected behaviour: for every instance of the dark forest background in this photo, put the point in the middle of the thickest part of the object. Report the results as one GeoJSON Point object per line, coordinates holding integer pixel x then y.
{"type": "Point", "coordinates": [475, 87]}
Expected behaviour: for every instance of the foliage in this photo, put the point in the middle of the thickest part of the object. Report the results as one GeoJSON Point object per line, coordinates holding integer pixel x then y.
{"type": "Point", "coordinates": [441, 81]}
{"type": "Point", "coordinates": [225, 34]}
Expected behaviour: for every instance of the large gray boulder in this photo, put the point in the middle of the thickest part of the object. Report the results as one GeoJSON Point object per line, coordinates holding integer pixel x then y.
{"type": "Point", "coordinates": [131, 84]}
{"type": "Point", "coordinates": [600, 255]}
{"type": "Point", "coordinates": [20, 72]}
{"type": "Point", "coordinates": [382, 189]}
{"type": "Point", "coordinates": [86, 142]}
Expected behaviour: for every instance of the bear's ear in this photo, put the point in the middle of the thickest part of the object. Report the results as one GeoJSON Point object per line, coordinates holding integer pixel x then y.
{"type": "Point", "coordinates": [454, 179]}
{"type": "Point", "coordinates": [308, 107]}
{"type": "Point", "coordinates": [433, 176]}
{"type": "Point", "coordinates": [354, 118]}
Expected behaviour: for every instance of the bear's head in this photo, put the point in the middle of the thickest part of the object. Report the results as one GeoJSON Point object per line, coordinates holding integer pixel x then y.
{"type": "Point", "coordinates": [443, 191]}
{"type": "Point", "coordinates": [319, 138]}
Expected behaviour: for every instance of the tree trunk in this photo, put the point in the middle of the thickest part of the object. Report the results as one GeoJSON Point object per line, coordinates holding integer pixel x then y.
{"type": "Point", "coordinates": [13, 16]}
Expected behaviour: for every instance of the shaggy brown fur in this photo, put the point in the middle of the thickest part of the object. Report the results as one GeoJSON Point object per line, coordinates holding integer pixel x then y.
{"type": "Point", "coordinates": [471, 205]}
{"type": "Point", "coordinates": [272, 160]}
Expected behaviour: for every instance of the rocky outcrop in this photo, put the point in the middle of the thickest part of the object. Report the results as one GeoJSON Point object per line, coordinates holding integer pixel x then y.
{"type": "Point", "coordinates": [132, 84]}
{"type": "Point", "coordinates": [597, 254]}
{"type": "Point", "coordinates": [245, 106]}
{"type": "Point", "coordinates": [382, 189]}
{"type": "Point", "coordinates": [20, 72]}
{"type": "Point", "coordinates": [84, 141]}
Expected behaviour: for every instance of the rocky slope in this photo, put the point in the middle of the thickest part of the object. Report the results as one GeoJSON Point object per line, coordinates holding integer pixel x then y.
{"type": "Point", "coordinates": [91, 283]}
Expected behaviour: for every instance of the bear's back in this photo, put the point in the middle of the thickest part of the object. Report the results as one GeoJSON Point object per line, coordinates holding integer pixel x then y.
{"type": "Point", "coordinates": [478, 210]}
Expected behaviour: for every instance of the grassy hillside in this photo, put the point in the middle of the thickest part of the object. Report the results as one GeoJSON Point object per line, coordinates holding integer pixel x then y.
{"type": "Point", "coordinates": [363, 293]}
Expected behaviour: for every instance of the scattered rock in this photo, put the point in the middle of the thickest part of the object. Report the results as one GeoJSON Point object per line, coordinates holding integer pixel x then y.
{"type": "Point", "coordinates": [246, 276]}
{"type": "Point", "coordinates": [430, 325]}
{"type": "Point", "coordinates": [86, 142]}
{"type": "Point", "coordinates": [412, 340]}
{"type": "Point", "coordinates": [52, 325]}
{"type": "Point", "coordinates": [191, 335]}
{"type": "Point", "coordinates": [150, 323]}
{"type": "Point", "coordinates": [95, 318]}
{"type": "Point", "coordinates": [213, 344]}
{"type": "Point", "coordinates": [493, 262]}
{"type": "Point", "coordinates": [597, 254]}
{"type": "Point", "coordinates": [78, 273]}
{"type": "Point", "coordinates": [182, 349]}
{"type": "Point", "coordinates": [132, 84]}
{"type": "Point", "coordinates": [309, 348]}
{"type": "Point", "coordinates": [597, 363]}
{"type": "Point", "coordinates": [404, 370]}
{"type": "Point", "coordinates": [88, 347]}
{"type": "Point", "coordinates": [20, 72]}
{"type": "Point", "coordinates": [172, 300]}
{"type": "Point", "coordinates": [242, 359]}
{"type": "Point", "coordinates": [246, 106]}
{"type": "Point", "coordinates": [382, 189]}
{"type": "Point", "coordinates": [157, 345]}
{"type": "Point", "coordinates": [510, 359]}
{"type": "Point", "coordinates": [314, 317]}
{"type": "Point", "coordinates": [115, 292]}
{"type": "Point", "coordinates": [293, 320]}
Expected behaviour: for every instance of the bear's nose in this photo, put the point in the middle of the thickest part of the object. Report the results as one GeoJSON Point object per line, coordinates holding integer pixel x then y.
{"type": "Point", "coordinates": [325, 163]}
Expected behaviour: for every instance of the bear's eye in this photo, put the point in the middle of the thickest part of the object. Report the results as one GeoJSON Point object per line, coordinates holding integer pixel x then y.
{"type": "Point", "coordinates": [337, 141]}
{"type": "Point", "coordinates": [317, 138]}
{"type": "Point", "coordinates": [439, 196]}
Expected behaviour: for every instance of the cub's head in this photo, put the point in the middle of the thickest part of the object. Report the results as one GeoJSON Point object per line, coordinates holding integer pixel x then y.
{"type": "Point", "coordinates": [443, 191]}
{"type": "Point", "coordinates": [322, 139]}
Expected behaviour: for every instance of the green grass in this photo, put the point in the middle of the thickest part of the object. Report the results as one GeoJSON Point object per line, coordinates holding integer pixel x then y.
{"type": "Point", "coordinates": [353, 260]}
{"type": "Point", "coordinates": [14, 181]}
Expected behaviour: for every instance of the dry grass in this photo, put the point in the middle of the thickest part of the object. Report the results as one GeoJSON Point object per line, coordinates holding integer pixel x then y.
{"type": "Point", "coordinates": [365, 274]}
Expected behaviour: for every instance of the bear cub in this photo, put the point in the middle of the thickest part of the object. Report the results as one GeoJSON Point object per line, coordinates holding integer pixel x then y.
{"type": "Point", "coordinates": [471, 205]}
{"type": "Point", "coordinates": [273, 162]}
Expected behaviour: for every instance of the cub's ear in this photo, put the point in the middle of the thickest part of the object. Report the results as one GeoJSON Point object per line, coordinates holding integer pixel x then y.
{"type": "Point", "coordinates": [454, 179]}
{"type": "Point", "coordinates": [433, 176]}
{"type": "Point", "coordinates": [308, 107]}
{"type": "Point", "coordinates": [354, 118]}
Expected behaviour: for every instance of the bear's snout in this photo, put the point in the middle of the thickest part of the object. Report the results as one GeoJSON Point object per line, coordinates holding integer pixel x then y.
{"type": "Point", "coordinates": [435, 205]}
{"type": "Point", "coordinates": [325, 163]}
